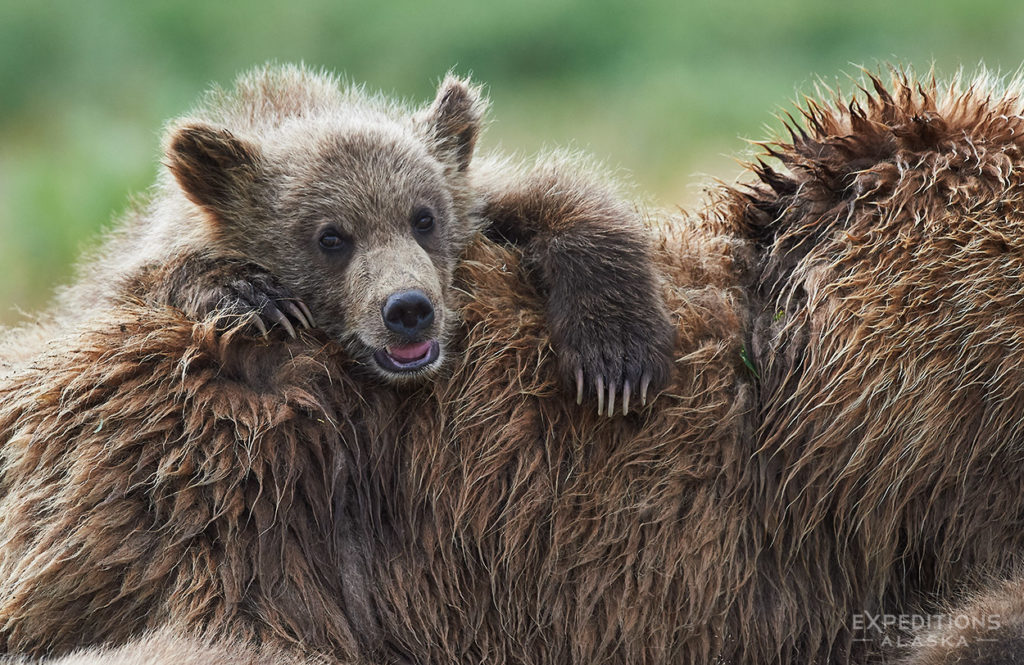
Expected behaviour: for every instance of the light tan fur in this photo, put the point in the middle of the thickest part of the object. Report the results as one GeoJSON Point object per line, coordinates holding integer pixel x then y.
{"type": "Point", "coordinates": [173, 647]}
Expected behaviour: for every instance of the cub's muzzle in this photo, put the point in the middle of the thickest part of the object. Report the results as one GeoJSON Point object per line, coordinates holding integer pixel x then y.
{"type": "Point", "coordinates": [408, 313]}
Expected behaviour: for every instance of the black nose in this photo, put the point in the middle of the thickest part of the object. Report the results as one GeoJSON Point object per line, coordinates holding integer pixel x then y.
{"type": "Point", "coordinates": [408, 312]}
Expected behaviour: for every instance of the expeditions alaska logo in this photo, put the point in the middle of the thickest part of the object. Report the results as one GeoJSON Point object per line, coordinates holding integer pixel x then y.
{"type": "Point", "coordinates": [920, 630]}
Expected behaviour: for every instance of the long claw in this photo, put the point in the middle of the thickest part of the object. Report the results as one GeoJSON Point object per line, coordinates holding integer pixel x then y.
{"type": "Point", "coordinates": [645, 383]}
{"type": "Point", "coordinates": [258, 322]}
{"type": "Point", "coordinates": [625, 398]}
{"type": "Point", "coordinates": [305, 310]}
{"type": "Point", "coordinates": [600, 395]}
{"type": "Point", "coordinates": [295, 312]}
{"type": "Point", "coordinates": [579, 385]}
{"type": "Point", "coordinates": [279, 318]}
{"type": "Point", "coordinates": [611, 399]}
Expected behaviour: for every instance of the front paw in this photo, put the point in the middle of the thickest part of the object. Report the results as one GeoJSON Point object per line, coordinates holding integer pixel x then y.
{"type": "Point", "coordinates": [622, 352]}
{"type": "Point", "coordinates": [246, 293]}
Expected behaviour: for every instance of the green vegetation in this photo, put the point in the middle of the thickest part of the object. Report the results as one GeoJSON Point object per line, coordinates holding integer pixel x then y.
{"type": "Point", "coordinates": [663, 89]}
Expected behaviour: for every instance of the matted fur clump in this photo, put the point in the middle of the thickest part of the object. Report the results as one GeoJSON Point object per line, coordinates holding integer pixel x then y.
{"type": "Point", "coordinates": [140, 485]}
{"type": "Point", "coordinates": [870, 461]}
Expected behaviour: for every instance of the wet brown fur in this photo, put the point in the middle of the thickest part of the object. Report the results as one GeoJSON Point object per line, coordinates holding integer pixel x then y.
{"type": "Point", "coordinates": [889, 344]}
{"type": "Point", "coordinates": [869, 462]}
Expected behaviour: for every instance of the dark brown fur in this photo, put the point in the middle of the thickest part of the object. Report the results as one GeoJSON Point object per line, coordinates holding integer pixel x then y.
{"type": "Point", "coordinates": [871, 461]}
{"type": "Point", "coordinates": [148, 508]}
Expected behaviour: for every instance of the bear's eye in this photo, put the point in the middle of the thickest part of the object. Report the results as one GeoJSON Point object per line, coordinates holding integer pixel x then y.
{"type": "Point", "coordinates": [423, 221]}
{"type": "Point", "coordinates": [332, 241]}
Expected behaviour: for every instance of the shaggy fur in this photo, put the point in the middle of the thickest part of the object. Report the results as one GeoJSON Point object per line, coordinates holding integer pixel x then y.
{"type": "Point", "coordinates": [889, 344]}
{"type": "Point", "coordinates": [159, 472]}
{"type": "Point", "coordinates": [253, 176]}
{"type": "Point", "coordinates": [841, 435]}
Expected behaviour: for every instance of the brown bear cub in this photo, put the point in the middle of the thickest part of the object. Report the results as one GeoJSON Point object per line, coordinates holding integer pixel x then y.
{"type": "Point", "coordinates": [246, 489]}
{"type": "Point", "coordinates": [296, 202]}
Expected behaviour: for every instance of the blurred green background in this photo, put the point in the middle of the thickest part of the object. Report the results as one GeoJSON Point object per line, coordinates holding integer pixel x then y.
{"type": "Point", "coordinates": [664, 90]}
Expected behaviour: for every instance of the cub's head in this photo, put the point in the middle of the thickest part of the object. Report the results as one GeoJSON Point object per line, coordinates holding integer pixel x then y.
{"type": "Point", "coordinates": [360, 208]}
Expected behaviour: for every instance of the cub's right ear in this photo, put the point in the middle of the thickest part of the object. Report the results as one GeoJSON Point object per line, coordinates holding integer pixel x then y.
{"type": "Point", "coordinates": [455, 119]}
{"type": "Point", "coordinates": [216, 169]}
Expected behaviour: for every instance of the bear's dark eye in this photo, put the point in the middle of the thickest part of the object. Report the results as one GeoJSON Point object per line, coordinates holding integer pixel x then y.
{"type": "Point", "coordinates": [332, 241]}
{"type": "Point", "coordinates": [423, 221]}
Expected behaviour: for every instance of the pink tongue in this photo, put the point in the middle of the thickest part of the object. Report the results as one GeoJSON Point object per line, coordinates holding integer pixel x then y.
{"type": "Point", "coordinates": [410, 352]}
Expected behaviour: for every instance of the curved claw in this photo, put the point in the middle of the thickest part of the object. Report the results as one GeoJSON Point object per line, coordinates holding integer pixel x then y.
{"type": "Point", "coordinates": [292, 310]}
{"type": "Point", "coordinates": [600, 395]}
{"type": "Point", "coordinates": [305, 310]}
{"type": "Point", "coordinates": [279, 318]}
{"type": "Point", "coordinates": [625, 398]}
{"type": "Point", "coordinates": [611, 399]}
{"type": "Point", "coordinates": [579, 385]}
{"type": "Point", "coordinates": [258, 322]}
{"type": "Point", "coordinates": [645, 383]}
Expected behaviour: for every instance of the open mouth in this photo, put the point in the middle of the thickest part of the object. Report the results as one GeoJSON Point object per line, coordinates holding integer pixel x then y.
{"type": "Point", "coordinates": [407, 357]}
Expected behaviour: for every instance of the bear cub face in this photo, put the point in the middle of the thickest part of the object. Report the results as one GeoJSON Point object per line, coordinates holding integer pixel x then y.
{"type": "Point", "coordinates": [361, 215]}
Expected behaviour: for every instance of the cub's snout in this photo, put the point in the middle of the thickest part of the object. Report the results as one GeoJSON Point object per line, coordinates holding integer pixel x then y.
{"type": "Point", "coordinates": [408, 313]}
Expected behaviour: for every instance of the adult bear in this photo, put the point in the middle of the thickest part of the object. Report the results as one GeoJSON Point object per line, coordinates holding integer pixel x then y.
{"type": "Point", "coordinates": [888, 338]}
{"type": "Point", "coordinates": [156, 472]}
{"type": "Point", "coordinates": [864, 463]}
{"type": "Point", "coordinates": [839, 438]}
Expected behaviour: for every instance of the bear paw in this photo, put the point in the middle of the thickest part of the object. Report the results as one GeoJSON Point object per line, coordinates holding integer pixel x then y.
{"type": "Point", "coordinates": [242, 292]}
{"type": "Point", "coordinates": [266, 301]}
{"type": "Point", "coordinates": [619, 355]}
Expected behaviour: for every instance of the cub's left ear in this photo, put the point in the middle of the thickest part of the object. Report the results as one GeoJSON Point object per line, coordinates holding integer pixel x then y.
{"type": "Point", "coordinates": [454, 119]}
